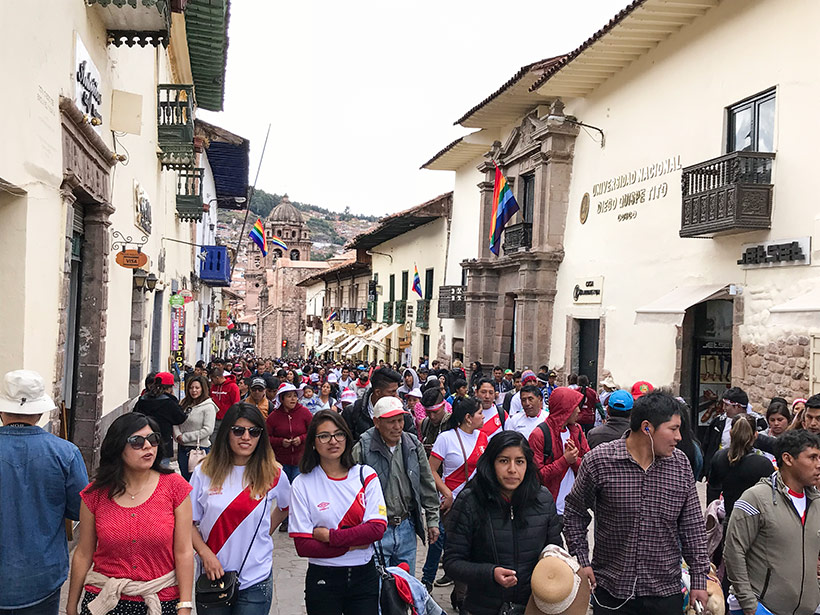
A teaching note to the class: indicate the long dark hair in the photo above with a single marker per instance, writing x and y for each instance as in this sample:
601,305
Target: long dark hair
485,482
462,407
310,457
110,474
189,401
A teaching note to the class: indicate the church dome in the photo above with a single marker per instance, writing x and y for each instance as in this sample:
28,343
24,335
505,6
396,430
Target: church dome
286,213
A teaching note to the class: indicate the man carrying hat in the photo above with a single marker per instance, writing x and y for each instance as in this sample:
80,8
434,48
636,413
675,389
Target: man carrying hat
41,478
406,479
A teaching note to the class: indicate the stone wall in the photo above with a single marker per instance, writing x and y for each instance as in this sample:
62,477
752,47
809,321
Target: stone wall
777,369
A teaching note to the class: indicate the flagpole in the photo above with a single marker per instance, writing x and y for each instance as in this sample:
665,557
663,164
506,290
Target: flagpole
250,197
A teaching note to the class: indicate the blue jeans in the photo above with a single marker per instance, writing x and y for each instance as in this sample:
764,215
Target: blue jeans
399,545
49,606
434,551
182,458
291,472
255,600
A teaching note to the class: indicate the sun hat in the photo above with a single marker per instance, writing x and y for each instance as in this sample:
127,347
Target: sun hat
165,378
620,400
258,382
414,393
24,392
557,588
284,389
332,378
387,407
641,388
314,377
348,396
609,382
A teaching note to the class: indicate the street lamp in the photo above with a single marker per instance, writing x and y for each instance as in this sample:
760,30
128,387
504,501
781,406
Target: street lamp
235,200
143,281
557,115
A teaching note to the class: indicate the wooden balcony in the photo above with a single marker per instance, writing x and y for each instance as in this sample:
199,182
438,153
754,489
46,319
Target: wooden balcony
423,313
175,125
189,194
725,195
387,313
451,302
517,237
401,311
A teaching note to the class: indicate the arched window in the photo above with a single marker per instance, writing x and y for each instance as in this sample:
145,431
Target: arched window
277,253
294,255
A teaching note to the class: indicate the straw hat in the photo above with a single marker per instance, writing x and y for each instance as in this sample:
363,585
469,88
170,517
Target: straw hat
557,588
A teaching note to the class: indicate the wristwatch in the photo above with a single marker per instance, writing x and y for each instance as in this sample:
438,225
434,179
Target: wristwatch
185,605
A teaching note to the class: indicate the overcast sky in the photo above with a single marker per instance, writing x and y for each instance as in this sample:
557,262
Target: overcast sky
360,94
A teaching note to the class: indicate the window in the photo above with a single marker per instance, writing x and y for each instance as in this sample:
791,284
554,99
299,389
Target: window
751,124
405,281
392,287
464,277
277,253
527,196
294,255
428,284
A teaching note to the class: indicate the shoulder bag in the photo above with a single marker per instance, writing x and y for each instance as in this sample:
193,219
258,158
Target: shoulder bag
223,592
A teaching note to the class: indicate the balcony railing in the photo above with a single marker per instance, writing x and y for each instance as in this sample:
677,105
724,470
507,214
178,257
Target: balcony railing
729,194
215,270
517,237
175,125
371,310
451,302
189,194
137,22
401,311
423,313
387,312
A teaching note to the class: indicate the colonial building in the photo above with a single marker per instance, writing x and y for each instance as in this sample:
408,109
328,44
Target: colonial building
272,289
102,197
664,179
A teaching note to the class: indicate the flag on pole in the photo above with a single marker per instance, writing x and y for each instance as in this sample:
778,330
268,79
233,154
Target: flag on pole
332,315
504,208
417,282
279,243
258,235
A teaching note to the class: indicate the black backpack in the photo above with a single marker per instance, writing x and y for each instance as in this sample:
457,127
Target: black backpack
545,429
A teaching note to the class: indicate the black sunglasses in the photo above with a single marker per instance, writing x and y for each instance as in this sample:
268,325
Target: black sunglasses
239,431
138,442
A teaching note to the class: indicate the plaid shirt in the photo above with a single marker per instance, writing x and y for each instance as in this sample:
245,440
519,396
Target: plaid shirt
643,521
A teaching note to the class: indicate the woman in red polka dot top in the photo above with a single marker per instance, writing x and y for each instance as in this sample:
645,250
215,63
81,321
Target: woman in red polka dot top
135,524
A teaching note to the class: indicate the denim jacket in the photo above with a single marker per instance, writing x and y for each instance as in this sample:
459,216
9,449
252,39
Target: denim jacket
40,478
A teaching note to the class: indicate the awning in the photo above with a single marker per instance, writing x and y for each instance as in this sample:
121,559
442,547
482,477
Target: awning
341,341
324,347
351,342
358,347
671,307
333,336
385,332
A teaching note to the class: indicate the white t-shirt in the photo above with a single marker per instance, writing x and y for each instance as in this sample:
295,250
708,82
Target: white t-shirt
320,501
447,449
228,517
492,422
516,407
567,481
725,436
799,501
524,424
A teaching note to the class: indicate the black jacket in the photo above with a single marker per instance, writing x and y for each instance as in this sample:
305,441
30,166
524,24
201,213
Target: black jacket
711,442
358,418
614,428
733,480
166,412
469,554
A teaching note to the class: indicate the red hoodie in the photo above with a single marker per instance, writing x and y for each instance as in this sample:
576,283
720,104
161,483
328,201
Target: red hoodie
563,401
282,424
225,395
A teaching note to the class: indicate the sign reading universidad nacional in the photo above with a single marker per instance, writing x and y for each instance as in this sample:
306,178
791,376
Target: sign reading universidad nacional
625,203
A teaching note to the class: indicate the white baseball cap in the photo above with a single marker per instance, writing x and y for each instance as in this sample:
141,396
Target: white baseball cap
24,392
387,407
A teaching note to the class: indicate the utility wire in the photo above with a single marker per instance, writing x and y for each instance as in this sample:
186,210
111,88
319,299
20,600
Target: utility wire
250,198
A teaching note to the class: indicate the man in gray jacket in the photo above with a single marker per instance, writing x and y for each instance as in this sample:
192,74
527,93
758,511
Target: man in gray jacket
773,536
406,479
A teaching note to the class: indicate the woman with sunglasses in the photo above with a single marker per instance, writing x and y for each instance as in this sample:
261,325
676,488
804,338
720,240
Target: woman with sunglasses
239,494
337,513
136,529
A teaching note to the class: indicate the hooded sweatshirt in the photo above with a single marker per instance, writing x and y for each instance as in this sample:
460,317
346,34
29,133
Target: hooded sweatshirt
404,389
283,424
225,395
551,471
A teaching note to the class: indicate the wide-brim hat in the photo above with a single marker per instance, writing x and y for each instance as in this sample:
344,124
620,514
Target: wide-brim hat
285,388
609,382
24,392
557,588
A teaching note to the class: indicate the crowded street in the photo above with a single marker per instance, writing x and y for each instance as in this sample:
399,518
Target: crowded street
427,308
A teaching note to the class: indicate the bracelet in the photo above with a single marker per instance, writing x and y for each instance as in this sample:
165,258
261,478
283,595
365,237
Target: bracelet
185,605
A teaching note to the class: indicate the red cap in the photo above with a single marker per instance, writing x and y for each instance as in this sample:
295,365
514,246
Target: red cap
641,388
165,378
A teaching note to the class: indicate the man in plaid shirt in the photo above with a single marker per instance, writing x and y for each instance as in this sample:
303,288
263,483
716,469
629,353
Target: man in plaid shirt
647,514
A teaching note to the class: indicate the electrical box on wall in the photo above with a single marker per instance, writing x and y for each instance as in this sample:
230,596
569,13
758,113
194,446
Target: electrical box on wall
126,112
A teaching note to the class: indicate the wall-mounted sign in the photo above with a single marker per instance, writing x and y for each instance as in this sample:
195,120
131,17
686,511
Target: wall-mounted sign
177,301
585,208
778,253
131,259
178,338
87,83
588,290
142,209
187,295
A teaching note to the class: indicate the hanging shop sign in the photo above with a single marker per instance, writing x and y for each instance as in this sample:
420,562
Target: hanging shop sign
778,253
87,84
177,301
588,290
187,295
223,318
178,338
131,259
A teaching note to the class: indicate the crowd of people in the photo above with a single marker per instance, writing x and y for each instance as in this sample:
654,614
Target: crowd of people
500,474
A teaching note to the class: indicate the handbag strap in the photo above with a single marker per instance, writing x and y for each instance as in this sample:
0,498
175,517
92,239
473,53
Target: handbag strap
494,548
463,454
255,532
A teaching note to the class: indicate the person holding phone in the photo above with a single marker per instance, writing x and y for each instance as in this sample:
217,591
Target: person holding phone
498,526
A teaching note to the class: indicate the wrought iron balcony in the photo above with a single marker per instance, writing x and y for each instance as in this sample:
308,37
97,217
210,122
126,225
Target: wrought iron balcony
371,310
387,312
137,22
189,194
451,302
423,313
729,194
517,237
401,311
175,125
215,270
